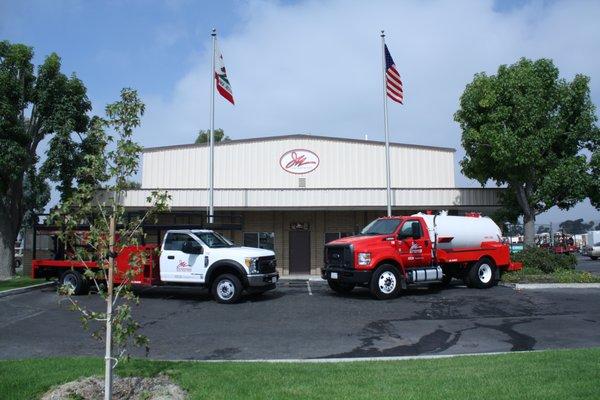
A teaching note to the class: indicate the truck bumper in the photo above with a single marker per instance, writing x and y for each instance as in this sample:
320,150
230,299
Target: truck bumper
261,280
346,275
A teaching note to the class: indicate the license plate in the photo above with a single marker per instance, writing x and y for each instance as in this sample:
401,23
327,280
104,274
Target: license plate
274,279
334,275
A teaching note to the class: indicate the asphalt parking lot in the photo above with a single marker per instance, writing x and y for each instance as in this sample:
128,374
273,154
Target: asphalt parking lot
306,320
587,264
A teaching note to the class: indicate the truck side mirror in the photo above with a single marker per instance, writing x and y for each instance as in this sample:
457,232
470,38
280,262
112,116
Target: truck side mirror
192,248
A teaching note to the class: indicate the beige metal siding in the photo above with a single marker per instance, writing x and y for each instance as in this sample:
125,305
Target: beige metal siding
256,165
322,198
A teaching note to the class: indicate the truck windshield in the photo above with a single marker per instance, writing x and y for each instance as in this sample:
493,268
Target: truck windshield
213,239
381,227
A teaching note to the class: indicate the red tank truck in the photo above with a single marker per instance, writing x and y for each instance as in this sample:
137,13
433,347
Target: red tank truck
393,252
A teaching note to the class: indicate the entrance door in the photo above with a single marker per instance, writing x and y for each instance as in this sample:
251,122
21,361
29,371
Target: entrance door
299,252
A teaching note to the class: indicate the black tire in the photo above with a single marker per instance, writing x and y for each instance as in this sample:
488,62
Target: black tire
341,287
446,279
594,257
227,289
76,280
466,280
385,282
482,274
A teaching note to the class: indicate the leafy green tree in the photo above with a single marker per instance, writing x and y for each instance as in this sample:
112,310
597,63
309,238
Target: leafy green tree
543,229
575,227
525,128
110,229
203,136
131,184
32,106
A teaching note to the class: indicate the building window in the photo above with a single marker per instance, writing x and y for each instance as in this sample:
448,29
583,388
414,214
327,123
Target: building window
331,236
263,240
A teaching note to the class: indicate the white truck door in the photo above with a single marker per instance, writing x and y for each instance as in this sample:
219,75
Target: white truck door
180,257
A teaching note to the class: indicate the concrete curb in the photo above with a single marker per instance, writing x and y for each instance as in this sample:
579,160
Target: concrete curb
361,359
536,286
25,289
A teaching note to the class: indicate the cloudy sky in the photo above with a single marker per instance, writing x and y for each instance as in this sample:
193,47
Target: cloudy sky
305,66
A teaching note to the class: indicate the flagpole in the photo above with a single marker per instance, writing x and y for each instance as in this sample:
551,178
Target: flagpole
211,168
387,136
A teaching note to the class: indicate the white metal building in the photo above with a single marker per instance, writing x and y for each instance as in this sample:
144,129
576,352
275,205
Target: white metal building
296,192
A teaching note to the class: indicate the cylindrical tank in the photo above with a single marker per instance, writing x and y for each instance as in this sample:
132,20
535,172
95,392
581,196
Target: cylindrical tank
454,232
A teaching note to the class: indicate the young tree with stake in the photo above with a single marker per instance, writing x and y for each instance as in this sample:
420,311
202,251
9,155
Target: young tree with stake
109,228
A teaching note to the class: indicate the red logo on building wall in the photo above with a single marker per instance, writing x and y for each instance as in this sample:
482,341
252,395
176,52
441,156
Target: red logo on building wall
299,161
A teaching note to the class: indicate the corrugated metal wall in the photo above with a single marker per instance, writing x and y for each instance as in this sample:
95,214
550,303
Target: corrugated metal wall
322,198
255,164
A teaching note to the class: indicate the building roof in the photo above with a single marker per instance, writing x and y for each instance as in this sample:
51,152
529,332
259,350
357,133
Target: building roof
297,136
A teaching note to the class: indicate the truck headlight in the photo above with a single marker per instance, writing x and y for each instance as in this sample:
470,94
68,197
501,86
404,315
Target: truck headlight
252,264
364,258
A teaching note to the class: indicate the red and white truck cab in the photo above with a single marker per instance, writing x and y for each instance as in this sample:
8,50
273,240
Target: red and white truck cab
393,252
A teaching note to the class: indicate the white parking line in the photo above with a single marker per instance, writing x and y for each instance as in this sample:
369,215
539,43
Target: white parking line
308,286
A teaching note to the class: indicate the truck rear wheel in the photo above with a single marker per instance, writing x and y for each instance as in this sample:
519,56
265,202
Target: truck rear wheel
227,289
594,257
482,274
385,282
341,287
76,281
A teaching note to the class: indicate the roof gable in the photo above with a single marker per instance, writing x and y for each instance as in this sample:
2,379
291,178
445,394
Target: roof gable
297,136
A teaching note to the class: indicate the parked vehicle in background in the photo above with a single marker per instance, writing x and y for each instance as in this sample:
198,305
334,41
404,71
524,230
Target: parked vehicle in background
563,244
196,257
592,252
393,252
19,257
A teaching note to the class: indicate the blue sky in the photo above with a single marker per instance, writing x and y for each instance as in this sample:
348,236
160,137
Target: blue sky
304,66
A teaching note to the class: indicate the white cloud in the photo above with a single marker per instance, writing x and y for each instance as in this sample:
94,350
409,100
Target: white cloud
316,67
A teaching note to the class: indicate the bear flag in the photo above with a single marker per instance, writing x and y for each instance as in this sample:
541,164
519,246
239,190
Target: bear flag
223,85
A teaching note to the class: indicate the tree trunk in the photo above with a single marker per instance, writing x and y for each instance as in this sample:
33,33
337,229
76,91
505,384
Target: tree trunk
7,247
11,215
523,194
529,228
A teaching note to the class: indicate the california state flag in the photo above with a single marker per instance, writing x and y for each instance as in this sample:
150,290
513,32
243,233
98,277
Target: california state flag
222,81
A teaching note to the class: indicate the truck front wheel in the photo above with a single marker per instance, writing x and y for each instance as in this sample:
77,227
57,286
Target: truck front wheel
227,289
385,282
482,274
341,287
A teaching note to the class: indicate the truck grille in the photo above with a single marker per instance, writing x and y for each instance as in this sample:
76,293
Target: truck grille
339,256
267,265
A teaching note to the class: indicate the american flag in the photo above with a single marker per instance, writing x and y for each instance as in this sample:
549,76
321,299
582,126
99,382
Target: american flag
393,83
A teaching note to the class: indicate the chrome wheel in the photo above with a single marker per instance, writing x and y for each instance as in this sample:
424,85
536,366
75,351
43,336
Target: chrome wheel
387,282
485,273
225,289
70,281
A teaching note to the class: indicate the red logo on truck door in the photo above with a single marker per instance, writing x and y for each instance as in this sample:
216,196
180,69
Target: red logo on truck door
183,266
299,161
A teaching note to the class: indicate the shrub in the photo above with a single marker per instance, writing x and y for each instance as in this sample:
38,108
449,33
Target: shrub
542,259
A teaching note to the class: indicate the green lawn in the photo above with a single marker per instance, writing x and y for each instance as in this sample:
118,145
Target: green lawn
18,282
557,374
534,275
